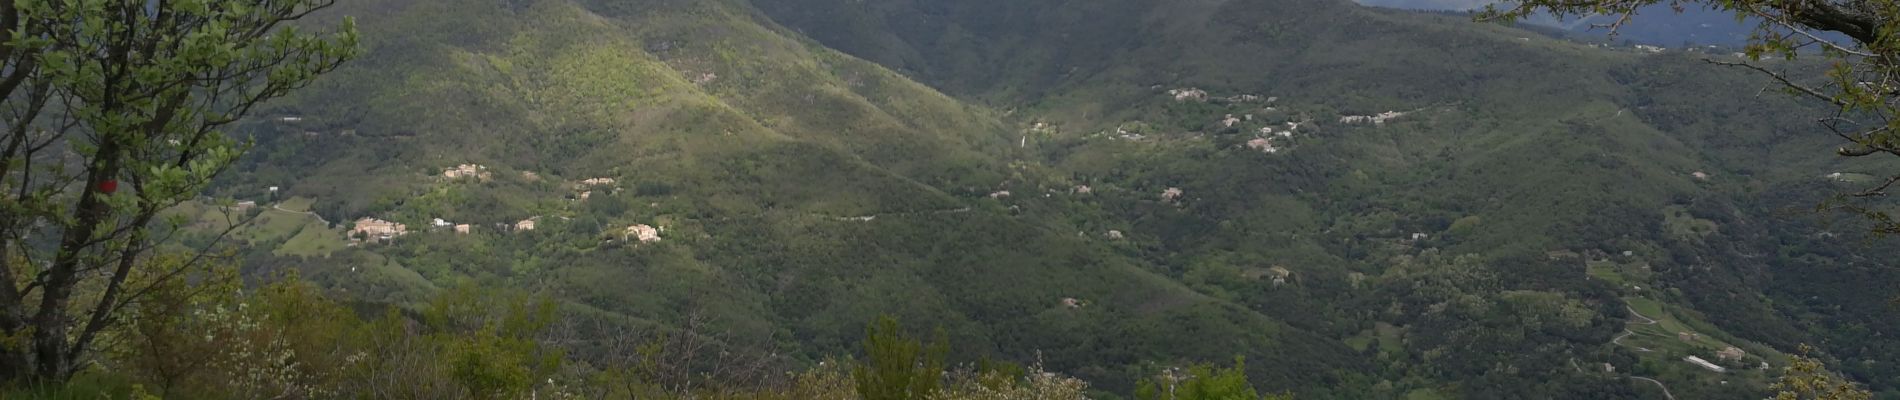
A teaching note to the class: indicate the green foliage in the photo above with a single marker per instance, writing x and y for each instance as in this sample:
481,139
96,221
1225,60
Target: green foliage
207,340
492,348
136,93
1202,382
804,191
897,367
1851,38
1806,378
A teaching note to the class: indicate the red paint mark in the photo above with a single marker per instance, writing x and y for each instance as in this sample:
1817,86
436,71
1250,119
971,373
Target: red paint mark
108,186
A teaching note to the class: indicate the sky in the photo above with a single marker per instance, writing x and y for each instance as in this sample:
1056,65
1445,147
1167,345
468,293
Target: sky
1656,24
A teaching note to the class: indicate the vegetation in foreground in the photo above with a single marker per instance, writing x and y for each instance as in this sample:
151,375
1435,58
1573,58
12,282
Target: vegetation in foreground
212,339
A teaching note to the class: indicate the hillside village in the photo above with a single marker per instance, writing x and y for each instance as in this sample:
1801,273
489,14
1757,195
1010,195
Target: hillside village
609,212
1273,125
279,218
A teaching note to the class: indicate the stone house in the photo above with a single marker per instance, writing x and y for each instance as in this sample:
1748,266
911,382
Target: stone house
1189,94
644,233
466,171
378,229
1264,145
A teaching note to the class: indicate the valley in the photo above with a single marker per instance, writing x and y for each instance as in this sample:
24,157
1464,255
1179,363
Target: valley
1362,203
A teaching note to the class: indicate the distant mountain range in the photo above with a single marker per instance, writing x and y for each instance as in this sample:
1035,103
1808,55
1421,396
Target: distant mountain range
1656,24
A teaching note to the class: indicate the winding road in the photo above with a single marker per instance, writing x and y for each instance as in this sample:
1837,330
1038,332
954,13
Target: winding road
1659,385
1626,333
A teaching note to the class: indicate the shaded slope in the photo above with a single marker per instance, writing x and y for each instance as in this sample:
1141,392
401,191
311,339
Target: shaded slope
1521,151
752,148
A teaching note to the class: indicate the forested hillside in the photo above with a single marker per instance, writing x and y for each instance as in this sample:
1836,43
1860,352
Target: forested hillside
1362,203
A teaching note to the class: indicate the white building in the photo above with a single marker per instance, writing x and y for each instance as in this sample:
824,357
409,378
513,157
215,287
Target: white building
1698,361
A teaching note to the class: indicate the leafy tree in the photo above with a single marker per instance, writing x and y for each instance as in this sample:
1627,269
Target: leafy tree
1862,84
491,339
1806,379
100,92
896,367
1202,382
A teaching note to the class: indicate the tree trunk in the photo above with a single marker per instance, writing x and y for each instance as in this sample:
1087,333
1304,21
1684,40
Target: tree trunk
51,324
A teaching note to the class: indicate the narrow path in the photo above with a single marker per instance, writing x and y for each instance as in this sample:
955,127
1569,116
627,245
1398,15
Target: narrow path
1626,333
1646,320
869,217
310,213
1659,385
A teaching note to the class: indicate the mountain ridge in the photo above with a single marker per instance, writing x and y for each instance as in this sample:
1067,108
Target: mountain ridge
757,150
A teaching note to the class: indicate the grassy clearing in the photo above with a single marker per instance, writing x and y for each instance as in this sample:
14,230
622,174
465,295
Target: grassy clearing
296,204
1424,394
272,225
1678,223
314,239
1388,337
1664,336
1626,275
1606,271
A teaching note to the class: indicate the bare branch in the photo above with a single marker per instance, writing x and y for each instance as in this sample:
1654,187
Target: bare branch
1811,92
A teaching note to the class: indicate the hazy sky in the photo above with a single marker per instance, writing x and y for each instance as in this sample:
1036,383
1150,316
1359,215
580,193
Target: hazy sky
1428,4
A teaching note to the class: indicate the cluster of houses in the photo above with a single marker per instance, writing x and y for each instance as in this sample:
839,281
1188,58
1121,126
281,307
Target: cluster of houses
585,187
1200,96
476,171
1377,119
368,228
1264,145
462,229
372,228
1188,94
1123,133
